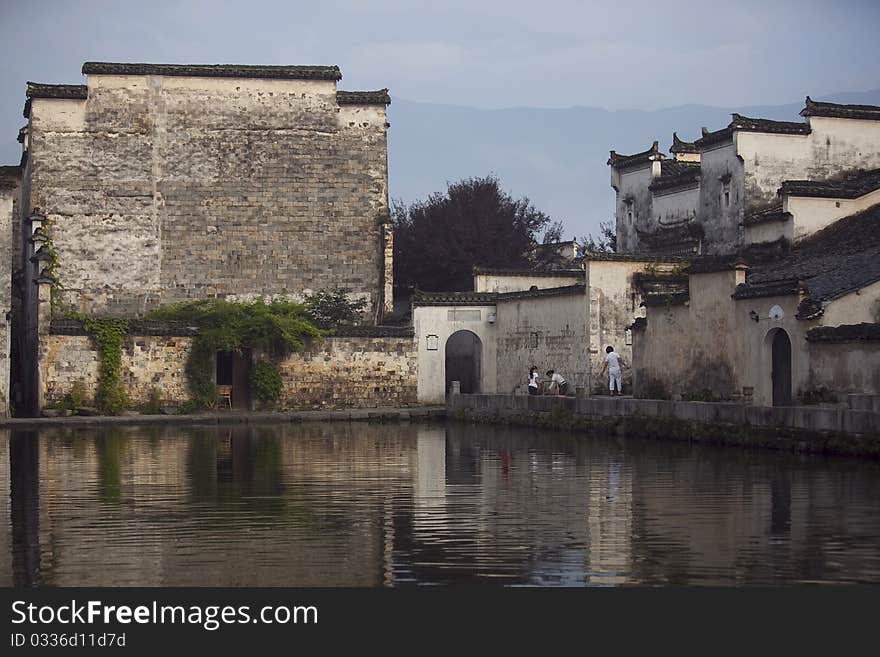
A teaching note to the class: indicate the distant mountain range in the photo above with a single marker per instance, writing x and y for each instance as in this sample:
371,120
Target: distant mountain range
556,157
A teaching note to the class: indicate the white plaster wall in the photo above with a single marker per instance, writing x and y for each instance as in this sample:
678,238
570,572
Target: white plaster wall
507,283
833,145
810,215
768,232
613,304
675,206
722,223
6,204
362,116
223,86
560,323
854,308
632,183
432,320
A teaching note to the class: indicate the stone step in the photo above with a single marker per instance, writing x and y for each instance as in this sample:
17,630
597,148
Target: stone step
864,402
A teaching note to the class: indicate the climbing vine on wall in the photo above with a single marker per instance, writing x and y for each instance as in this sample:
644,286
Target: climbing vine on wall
276,329
108,334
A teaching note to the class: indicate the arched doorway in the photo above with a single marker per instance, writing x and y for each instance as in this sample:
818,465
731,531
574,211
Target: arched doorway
464,352
780,367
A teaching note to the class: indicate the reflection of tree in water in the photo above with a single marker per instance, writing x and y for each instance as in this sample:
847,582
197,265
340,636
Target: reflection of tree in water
237,467
110,447
24,462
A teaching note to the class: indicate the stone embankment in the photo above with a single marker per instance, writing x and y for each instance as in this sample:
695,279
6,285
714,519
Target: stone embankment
415,413
816,429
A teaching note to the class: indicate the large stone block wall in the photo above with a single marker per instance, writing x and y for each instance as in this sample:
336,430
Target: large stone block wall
8,189
161,189
148,362
355,372
359,372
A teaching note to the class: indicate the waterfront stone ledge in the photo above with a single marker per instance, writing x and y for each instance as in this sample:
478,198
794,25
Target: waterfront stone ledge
405,414
818,429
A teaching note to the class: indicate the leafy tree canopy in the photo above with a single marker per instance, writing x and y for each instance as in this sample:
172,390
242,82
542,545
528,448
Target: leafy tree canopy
329,308
438,242
605,243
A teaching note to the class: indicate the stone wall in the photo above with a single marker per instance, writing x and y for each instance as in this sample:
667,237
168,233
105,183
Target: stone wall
148,362
8,192
844,368
547,332
357,371
160,189
797,428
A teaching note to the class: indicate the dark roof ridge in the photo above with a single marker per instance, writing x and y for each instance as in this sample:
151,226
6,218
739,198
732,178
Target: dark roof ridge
42,90
577,288
679,146
772,212
840,110
529,272
624,161
377,97
215,70
739,122
849,185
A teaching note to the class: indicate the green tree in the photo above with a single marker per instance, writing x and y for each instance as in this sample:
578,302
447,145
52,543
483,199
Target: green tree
329,308
438,242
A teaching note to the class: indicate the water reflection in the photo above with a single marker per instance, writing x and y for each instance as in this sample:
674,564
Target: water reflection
371,505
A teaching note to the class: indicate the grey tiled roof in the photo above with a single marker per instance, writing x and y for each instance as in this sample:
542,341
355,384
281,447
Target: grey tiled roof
836,110
630,257
765,215
850,185
489,298
625,161
379,97
60,326
840,259
679,146
780,288
565,290
453,298
40,90
215,70
747,124
675,174
536,273
865,332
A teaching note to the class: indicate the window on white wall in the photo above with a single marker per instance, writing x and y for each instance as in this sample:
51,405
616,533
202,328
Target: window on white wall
628,337
533,341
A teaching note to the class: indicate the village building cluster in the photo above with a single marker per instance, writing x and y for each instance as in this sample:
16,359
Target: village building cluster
747,263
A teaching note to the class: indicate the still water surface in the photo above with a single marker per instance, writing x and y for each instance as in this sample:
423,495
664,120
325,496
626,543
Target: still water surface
392,505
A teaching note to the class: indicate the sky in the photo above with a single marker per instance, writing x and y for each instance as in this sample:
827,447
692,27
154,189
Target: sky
488,54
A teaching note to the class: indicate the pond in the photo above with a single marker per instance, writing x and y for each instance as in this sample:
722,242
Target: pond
360,504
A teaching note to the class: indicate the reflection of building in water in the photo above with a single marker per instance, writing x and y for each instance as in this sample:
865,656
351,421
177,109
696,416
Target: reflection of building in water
5,512
429,496
609,522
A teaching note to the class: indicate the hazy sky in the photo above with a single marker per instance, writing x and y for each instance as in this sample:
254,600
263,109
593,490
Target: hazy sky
489,54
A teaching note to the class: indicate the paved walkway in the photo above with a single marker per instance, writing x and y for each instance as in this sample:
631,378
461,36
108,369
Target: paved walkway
234,417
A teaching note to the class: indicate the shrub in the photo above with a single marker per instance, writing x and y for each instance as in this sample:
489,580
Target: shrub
266,381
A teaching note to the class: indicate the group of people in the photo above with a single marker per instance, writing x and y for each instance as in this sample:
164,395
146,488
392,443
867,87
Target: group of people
557,384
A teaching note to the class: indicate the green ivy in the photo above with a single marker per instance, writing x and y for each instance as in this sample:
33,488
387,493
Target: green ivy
108,334
277,329
266,381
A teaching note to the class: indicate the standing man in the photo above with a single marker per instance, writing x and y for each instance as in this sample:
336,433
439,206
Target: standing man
559,382
614,364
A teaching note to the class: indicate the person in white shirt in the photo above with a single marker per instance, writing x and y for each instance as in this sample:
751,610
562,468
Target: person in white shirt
557,381
534,381
614,364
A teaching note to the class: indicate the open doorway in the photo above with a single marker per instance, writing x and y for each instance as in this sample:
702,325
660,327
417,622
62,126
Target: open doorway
234,369
464,352
780,367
